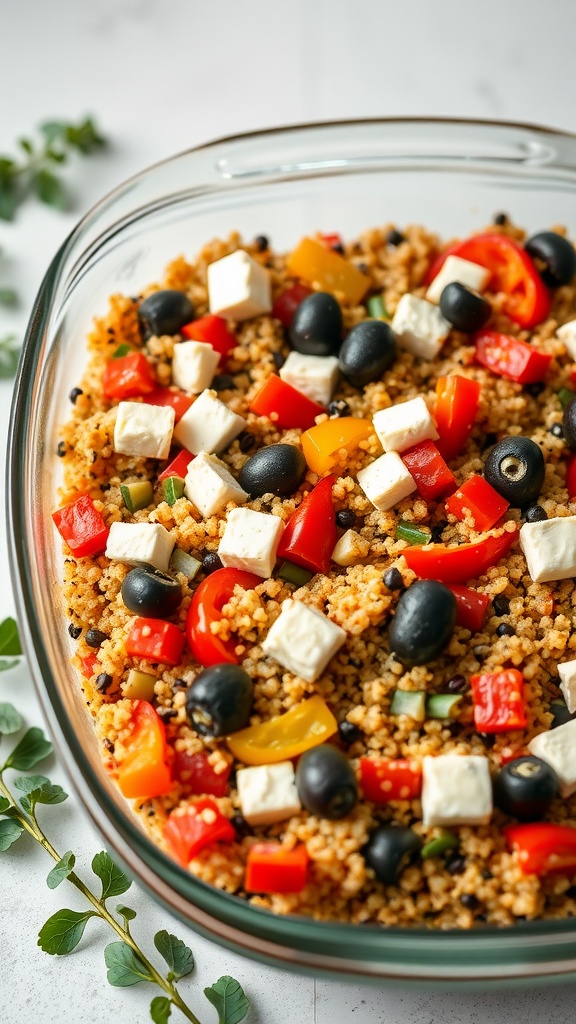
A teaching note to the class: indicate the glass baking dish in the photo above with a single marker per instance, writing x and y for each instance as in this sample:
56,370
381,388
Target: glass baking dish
452,177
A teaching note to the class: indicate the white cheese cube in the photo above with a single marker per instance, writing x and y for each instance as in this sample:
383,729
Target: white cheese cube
208,425
419,327
404,425
567,334
210,485
140,544
455,268
456,790
567,673
143,430
250,541
350,549
193,365
386,481
550,548
268,793
238,287
315,376
558,748
303,640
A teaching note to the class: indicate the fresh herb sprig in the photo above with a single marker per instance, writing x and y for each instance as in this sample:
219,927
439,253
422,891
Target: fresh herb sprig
33,173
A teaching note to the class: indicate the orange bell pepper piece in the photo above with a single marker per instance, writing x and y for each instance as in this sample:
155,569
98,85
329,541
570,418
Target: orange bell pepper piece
315,263
322,443
144,773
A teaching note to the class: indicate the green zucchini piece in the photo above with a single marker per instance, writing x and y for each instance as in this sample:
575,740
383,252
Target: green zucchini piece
447,841
138,685
376,307
409,702
173,489
122,350
295,574
412,534
182,562
443,705
137,495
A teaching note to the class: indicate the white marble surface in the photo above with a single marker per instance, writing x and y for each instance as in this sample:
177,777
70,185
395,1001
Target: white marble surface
161,75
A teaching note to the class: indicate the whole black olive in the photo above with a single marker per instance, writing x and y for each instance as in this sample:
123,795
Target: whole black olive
569,424
368,350
463,307
525,788
424,622
326,782
165,312
316,328
278,469
219,700
149,592
389,850
556,253
515,468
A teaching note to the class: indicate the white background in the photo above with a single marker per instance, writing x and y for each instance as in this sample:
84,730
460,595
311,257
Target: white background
159,76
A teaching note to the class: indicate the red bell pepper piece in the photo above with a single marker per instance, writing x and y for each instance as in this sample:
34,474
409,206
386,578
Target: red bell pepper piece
284,405
271,868
155,640
173,397
89,664
571,476
543,848
178,466
498,701
512,271
331,240
479,499
144,772
384,779
461,563
471,607
311,535
456,407
214,331
196,773
286,304
432,476
82,527
128,377
205,608
510,357
201,825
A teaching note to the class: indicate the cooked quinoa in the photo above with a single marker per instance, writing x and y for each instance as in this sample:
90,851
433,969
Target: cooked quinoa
481,880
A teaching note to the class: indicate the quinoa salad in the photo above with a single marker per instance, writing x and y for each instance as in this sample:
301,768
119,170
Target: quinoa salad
318,522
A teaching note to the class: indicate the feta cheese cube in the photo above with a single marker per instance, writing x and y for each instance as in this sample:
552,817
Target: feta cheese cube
386,481
140,544
404,425
456,790
193,365
350,549
268,793
315,376
303,640
567,673
250,541
456,269
567,334
208,425
558,748
143,430
238,287
419,327
550,548
210,485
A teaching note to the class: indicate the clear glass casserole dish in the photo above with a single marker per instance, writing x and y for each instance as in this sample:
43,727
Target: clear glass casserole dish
451,176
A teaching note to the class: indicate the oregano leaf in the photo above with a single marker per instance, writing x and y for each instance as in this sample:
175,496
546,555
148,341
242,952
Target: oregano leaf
61,870
124,967
114,881
126,912
176,953
8,200
160,1009
9,637
62,932
33,748
227,995
38,790
50,189
4,804
10,830
10,720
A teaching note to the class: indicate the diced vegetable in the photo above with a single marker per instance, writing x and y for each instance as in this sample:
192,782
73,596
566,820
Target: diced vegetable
155,640
81,525
181,561
177,467
571,476
139,685
310,535
128,377
565,395
510,357
295,574
173,398
122,350
272,868
455,411
543,848
326,268
384,779
196,773
436,847
173,489
443,705
477,498
201,825
305,725
432,476
409,702
471,607
205,608
499,701
214,331
144,773
287,303
460,563
137,495
376,308
284,405
322,443
411,533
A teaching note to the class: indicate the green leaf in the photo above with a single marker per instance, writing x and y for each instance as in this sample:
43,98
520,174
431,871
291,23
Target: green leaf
62,869
4,804
227,995
63,931
114,881
10,831
124,967
33,748
127,913
176,953
160,1009
50,189
39,790
5,665
27,146
53,131
8,297
10,720
9,638
8,199
84,136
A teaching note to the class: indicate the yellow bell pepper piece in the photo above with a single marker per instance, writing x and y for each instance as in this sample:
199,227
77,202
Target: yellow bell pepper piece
305,725
322,443
315,263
